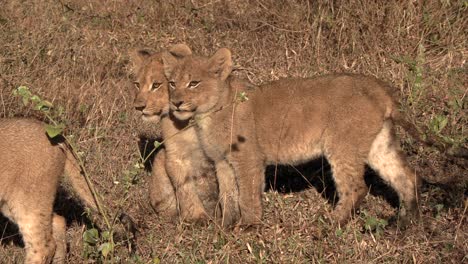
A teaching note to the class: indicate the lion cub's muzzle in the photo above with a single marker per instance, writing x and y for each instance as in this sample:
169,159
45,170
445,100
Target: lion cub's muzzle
182,110
148,114
181,106
139,105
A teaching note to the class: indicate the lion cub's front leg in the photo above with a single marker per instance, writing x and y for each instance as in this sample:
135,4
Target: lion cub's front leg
180,172
251,181
228,193
162,194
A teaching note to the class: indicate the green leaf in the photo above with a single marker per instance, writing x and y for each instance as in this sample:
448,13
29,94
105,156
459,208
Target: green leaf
105,248
47,104
91,236
438,123
442,122
157,144
24,91
371,223
35,99
339,232
156,260
41,107
105,235
242,97
53,131
383,222
25,101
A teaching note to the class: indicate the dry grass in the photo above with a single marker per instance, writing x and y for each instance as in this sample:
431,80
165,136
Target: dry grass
74,53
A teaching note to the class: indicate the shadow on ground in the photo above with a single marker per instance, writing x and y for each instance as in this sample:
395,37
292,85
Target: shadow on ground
317,174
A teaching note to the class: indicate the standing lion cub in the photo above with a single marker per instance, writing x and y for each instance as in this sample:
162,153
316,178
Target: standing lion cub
349,119
31,167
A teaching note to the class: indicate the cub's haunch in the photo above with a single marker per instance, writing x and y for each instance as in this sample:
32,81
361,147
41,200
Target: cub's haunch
31,168
349,119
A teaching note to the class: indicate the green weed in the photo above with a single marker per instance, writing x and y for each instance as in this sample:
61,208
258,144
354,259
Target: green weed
438,210
415,77
373,225
97,246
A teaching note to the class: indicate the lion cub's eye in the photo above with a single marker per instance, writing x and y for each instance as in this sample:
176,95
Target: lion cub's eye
137,85
172,85
155,86
193,84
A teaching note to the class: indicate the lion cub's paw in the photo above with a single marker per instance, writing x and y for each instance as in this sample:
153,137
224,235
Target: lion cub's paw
407,217
197,217
246,228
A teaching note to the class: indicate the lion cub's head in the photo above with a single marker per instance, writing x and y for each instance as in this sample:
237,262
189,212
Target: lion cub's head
152,98
195,83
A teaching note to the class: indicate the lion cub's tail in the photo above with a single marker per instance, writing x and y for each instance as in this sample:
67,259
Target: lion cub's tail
74,175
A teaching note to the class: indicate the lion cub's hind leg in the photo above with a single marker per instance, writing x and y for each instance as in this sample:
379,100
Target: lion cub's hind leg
59,226
386,159
348,174
36,229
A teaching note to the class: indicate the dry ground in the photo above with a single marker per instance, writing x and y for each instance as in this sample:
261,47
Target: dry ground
74,53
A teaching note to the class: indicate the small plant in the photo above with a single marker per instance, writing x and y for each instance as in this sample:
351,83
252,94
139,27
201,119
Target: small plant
242,97
415,76
45,107
339,232
373,225
97,246
438,123
438,209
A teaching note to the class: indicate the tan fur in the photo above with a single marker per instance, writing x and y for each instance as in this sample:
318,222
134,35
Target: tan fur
346,118
32,166
183,180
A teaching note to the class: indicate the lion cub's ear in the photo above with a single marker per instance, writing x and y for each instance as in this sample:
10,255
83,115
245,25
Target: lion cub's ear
169,63
138,57
170,58
180,50
221,63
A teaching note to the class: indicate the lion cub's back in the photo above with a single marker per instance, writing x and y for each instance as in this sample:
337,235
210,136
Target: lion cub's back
333,89
324,97
30,162
295,111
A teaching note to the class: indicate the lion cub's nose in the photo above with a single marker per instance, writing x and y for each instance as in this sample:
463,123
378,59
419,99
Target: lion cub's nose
177,104
139,106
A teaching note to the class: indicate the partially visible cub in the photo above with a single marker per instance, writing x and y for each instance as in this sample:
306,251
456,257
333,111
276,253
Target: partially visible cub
183,180
347,118
31,168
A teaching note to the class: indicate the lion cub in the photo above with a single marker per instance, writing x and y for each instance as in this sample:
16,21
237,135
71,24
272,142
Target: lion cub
183,180
31,169
347,118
